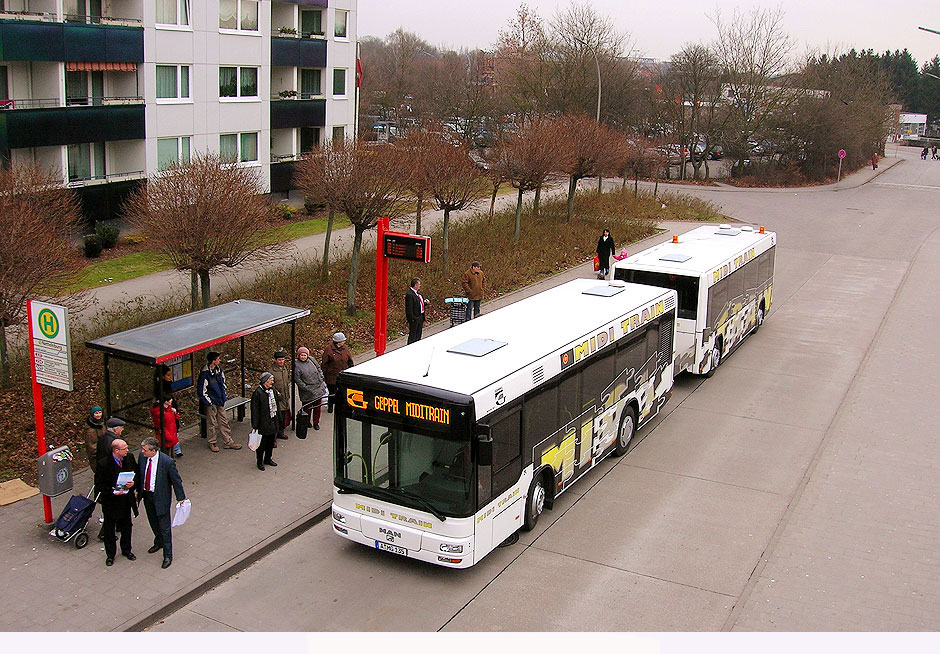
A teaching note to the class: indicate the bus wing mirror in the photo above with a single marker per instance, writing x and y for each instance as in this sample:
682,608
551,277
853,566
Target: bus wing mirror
484,446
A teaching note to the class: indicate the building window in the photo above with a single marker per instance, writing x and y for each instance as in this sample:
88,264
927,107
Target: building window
339,82
238,15
310,82
339,133
4,89
238,82
82,11
84,87
173,12
239,147
86,161
172,82
172,152
311,22
340,28
309,138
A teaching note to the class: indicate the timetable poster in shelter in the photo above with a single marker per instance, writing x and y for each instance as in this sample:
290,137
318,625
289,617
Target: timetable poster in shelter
182,368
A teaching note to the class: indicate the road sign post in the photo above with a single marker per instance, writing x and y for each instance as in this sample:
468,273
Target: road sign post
393,245
50,351
841,157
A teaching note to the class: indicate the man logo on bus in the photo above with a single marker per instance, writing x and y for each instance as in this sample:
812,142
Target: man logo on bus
356,399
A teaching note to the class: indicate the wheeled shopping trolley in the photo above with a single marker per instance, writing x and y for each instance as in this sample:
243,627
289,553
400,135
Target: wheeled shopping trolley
458,309
74,519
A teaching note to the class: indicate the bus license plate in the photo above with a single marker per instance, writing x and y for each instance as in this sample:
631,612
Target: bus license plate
395,549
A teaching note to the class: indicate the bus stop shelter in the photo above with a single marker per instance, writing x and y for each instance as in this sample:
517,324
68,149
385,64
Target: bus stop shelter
174,340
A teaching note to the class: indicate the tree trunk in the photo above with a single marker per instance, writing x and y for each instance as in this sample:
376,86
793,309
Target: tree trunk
353,274
4,362
518,233
535,202
493,199
446,231
636,186
324,266
206,295
194,289
655,188
600,184
418,215
572,187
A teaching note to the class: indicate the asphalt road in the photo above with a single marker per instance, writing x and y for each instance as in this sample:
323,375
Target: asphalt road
796,490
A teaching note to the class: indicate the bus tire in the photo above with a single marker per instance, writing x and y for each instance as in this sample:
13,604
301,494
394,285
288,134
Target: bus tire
716,358
760,317
626,431
535,502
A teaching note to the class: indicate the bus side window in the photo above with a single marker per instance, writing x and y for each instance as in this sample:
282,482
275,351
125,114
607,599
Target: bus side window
735,283
766,266
717,297
569,399
507,463
539,419
751,276
596,377
630,357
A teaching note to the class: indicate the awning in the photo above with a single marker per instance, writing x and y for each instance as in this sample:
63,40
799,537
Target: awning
101,65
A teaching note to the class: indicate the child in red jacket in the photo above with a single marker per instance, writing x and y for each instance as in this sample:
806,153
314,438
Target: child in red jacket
170,425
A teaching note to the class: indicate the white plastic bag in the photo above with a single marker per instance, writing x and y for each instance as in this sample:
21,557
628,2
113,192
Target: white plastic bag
254,440
182,513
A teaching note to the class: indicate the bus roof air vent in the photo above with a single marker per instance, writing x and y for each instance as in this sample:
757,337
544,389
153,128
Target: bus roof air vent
477,347
676,257
604,291
727,230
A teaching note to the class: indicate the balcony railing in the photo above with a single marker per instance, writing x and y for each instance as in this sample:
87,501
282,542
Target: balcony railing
299,35
105,179
29,15
48,103
51,17
297,96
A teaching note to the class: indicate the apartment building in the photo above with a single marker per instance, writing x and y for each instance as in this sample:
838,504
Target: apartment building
111,91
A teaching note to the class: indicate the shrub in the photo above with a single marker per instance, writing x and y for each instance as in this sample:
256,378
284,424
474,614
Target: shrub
312,207
107,234
135,239
92,246
285,211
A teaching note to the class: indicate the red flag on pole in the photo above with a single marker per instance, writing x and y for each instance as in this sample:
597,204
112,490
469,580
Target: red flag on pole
358,72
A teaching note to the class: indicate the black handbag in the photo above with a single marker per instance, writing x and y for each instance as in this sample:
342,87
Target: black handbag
302,424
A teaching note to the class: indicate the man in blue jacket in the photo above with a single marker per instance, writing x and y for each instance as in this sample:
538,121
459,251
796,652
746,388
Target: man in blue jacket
212,396
158,475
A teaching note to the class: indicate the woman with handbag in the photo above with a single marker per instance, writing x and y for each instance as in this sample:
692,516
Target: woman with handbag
310,385
605,249
265,418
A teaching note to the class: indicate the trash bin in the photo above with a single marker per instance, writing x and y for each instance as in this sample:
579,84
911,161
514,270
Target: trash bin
55,472
458,309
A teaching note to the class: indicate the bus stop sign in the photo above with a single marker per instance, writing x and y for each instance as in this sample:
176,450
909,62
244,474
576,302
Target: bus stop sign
410,247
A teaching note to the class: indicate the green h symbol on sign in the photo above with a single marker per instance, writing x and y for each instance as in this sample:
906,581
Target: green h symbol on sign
48,323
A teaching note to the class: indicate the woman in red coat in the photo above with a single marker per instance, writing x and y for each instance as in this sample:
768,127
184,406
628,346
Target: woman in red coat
170,431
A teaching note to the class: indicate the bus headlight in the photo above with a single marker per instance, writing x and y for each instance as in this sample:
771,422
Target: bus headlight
452,549
339,517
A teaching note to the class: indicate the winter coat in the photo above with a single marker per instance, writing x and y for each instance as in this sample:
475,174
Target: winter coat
212,386
334,361
261,413
309,380
605,249
473,284
94,431
170,430
281,384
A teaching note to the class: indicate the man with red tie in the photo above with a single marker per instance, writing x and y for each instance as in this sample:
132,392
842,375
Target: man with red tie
158,473
414,310
116,495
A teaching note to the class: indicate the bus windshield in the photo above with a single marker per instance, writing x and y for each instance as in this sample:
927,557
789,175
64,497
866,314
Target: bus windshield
685,286
426,471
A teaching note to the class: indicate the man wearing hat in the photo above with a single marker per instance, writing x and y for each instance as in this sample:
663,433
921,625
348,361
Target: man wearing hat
265,418
282,387
336,358
115,430
212,396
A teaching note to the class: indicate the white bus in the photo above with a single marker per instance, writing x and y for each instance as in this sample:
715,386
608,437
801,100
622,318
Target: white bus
446,447
724,276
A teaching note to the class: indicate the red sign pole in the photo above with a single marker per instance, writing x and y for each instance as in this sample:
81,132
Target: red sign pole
381,289
37,411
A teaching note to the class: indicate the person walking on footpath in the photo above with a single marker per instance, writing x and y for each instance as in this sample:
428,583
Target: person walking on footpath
474,286
605,250
158,475
265,418
336,358
94,430
116,501
310,385
212,396
415,305
281,372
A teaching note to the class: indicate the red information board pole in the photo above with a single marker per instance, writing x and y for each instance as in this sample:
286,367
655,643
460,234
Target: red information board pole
37,414
381,289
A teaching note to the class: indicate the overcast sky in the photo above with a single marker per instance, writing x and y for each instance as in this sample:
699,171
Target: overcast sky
659,28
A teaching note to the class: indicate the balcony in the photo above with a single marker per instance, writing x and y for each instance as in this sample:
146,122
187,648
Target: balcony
306,3
298,113
34,123
291,50
39,39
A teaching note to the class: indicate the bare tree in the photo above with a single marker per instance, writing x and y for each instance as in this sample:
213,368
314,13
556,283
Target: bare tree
522,63
588,149
36,258
204,215
415,147
455,180
316,176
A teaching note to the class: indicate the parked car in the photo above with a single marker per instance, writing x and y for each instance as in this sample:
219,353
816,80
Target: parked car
715,152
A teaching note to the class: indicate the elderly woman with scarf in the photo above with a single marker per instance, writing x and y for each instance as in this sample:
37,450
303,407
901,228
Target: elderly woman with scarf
94,429
265,418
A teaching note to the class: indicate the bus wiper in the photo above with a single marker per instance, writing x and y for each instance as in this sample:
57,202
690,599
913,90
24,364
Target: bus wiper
420,500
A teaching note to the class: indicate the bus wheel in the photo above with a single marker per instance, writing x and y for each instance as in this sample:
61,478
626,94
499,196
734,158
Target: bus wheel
716,358
535,503
760,318
626,431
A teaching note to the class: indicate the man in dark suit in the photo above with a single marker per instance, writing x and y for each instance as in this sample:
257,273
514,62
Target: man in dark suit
117,502
158,474
414,311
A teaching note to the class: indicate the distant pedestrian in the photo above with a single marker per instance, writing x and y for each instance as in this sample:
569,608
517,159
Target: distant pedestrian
212,396
933,152
310,385
336,358
281,372
94,430
158,475
923,153
415,305
265,418
474,287
116,501
605,250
